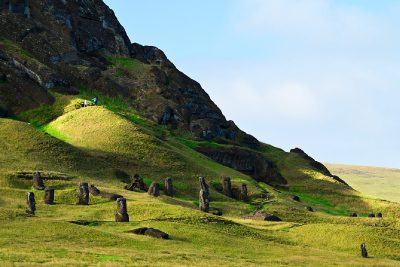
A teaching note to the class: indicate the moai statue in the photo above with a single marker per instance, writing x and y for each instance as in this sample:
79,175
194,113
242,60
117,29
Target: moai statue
10,6
83,194
31,203
203,184
136,183
37,181
204,201
168,187
243,193
49,196
227,187
364,252
27,10
122,212
94,190
154,190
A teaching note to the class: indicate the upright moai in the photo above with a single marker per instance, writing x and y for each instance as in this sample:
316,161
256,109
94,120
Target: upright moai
203,184
243,193
83,194
49,196
38,181
227,186
364,252
204,195
154,189
204,201
31,203
168,187
122,211
10,6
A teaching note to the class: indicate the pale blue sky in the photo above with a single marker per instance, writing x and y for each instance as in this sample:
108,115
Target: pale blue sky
322,75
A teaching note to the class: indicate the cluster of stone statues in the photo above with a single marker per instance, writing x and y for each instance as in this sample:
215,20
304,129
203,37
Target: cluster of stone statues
137,183
16,6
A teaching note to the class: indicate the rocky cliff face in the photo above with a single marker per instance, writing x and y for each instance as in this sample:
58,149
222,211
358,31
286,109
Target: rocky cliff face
63,45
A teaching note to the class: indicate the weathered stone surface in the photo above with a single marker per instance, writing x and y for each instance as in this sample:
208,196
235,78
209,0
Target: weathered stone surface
227,186
216,212
150,232
31,203
296,198
38,181
364,252
204,201
168,187
154,189
310,209
96,192
243,193
49,196
203,184
83,194
246,161
353,214
136,183
262,216
122,211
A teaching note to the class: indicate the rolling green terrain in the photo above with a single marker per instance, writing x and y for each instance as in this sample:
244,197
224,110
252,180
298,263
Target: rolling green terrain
377,182
106,144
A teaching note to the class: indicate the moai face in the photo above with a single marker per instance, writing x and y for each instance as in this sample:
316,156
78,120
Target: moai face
121,206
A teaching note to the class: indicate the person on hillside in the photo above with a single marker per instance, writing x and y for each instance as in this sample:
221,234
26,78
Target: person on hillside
95,100
85,103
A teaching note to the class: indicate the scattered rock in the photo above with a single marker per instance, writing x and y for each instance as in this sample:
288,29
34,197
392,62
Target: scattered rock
136,183
227,186
83,194
38,183
296,198
379,215
371,215
31,203
150,232
216,212
243,193
353,214
154,189
122,212
310,209
364,252
49,196
168,187
262,216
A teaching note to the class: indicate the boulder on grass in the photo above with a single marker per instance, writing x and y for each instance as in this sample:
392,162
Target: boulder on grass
262,216
150,232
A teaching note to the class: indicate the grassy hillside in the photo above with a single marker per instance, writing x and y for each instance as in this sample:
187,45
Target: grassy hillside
102,145
377,182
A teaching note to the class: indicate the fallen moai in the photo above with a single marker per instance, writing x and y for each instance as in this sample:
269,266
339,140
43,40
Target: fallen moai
150,232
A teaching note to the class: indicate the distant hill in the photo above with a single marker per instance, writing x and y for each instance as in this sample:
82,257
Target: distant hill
383,183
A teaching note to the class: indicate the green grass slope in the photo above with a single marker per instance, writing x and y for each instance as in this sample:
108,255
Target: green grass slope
382,183
97,144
